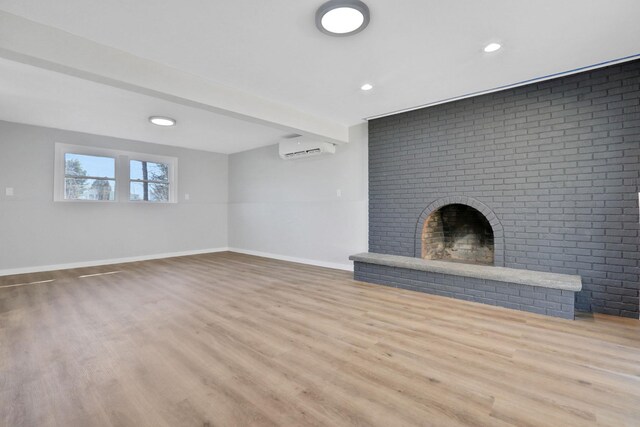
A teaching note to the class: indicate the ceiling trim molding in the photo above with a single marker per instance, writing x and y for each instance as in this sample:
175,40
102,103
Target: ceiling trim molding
31,43
509,86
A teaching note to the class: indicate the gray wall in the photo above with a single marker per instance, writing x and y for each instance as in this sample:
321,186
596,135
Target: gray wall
35,231
557,162
290,208
535,299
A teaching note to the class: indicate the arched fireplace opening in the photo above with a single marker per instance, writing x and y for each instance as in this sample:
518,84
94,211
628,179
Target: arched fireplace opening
460,233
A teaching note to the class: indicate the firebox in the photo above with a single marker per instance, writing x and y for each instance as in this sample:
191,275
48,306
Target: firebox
459,233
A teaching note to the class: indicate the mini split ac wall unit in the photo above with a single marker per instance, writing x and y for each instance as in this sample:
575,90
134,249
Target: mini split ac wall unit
302,146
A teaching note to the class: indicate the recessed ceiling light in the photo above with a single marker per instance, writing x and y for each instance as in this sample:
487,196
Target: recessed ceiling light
342,17
162,121
366,86
492,47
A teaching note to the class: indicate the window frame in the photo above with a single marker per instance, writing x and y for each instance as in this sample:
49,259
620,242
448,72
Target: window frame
122,172
172,162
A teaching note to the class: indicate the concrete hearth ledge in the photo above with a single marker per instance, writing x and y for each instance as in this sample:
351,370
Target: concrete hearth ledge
501,274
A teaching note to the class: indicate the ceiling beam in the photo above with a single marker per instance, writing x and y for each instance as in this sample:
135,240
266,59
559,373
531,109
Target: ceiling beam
46,47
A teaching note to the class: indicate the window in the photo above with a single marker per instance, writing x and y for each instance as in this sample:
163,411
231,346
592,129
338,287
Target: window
89,177
96,174
149,181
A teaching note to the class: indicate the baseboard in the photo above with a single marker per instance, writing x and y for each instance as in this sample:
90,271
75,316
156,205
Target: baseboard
96,263
334,265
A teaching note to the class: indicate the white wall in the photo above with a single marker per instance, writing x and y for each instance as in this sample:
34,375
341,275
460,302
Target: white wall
290,209
251,201
35,231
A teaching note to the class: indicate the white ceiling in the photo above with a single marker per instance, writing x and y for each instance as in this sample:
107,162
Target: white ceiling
415,52
35,96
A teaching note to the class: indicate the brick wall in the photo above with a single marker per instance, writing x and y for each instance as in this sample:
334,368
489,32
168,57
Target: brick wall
535,299
557,162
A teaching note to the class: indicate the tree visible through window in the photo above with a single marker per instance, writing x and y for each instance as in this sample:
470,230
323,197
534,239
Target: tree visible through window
149,181
86,173
89,177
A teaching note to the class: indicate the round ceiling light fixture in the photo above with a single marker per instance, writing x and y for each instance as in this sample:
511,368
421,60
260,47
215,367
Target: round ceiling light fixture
366,87
492,47
162,121
342,17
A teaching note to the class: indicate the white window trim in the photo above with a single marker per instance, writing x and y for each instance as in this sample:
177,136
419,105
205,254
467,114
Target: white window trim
122,176
173,175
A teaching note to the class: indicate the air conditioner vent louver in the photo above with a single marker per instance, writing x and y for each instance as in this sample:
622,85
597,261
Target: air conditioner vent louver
299,147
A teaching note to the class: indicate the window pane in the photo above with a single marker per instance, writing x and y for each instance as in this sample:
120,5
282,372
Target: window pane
149,191
89,189
84,165
149,171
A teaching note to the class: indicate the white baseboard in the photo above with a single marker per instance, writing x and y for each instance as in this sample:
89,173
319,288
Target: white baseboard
95,263
334,265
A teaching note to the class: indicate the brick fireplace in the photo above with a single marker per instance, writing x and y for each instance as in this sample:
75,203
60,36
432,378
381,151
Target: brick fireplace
458,233
552,167
459,229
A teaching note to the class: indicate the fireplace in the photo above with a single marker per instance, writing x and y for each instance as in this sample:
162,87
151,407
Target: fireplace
459,233
468,236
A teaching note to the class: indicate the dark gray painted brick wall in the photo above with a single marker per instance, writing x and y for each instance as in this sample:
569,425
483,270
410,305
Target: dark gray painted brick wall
535,299
557,162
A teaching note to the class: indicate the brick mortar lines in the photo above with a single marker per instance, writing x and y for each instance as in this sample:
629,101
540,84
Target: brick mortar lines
558,162
551,302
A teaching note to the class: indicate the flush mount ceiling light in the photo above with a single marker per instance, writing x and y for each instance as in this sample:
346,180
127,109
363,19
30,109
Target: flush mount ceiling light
162,121
366,86
492,47
342,17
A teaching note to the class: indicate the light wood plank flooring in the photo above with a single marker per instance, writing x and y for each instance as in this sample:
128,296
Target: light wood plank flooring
234,340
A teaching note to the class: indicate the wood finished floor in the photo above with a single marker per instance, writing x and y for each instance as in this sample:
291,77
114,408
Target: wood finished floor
234,340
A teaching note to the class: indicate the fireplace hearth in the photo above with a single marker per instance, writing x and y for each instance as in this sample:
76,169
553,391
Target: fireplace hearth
459,252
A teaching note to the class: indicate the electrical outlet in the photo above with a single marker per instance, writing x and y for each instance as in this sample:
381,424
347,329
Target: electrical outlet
8,191
186,196
338,193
